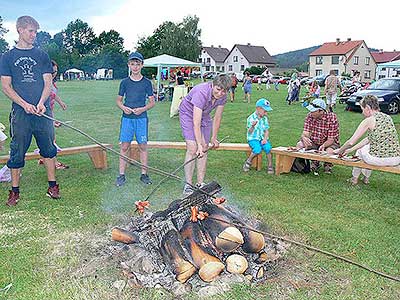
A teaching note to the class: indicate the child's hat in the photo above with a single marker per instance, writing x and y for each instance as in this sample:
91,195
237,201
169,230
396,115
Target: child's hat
264,104
136,55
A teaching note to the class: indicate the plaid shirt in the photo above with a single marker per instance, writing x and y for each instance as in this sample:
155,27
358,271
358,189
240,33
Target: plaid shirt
259,129
322,129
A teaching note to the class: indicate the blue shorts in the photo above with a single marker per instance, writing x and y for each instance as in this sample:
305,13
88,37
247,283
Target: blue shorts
133,128
256,146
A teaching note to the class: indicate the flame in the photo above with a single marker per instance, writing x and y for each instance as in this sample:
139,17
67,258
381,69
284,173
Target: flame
141,205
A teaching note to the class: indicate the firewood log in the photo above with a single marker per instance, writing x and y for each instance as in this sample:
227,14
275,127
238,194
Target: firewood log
172,251
226,237
123,236
236,264
211,270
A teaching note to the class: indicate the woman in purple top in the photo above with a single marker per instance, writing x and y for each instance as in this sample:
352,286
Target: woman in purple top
197,124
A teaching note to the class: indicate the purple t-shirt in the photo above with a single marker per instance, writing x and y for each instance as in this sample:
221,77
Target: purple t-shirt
201,97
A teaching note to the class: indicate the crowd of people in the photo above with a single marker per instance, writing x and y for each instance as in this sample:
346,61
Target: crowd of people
27,78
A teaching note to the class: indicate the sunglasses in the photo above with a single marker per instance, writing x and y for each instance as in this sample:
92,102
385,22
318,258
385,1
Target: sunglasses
317,106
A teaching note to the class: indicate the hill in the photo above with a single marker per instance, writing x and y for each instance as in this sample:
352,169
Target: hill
296,58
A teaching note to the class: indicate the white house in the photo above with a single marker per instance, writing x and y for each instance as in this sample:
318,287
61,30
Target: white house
343,57
242,57
383,57
212,58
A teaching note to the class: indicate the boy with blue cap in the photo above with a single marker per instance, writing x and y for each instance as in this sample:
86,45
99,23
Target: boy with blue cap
258,134
131,99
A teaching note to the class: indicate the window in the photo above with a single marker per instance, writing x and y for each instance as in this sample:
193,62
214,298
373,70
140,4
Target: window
336,72
235,58
208,60
335,60
319,60
218,68
367,59
367,74
318,72
212,68
355,60
207,68
223,69
230,68
241,67
383,69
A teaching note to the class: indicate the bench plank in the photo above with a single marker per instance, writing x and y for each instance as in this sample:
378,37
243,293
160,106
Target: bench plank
284,160
97,154
256,163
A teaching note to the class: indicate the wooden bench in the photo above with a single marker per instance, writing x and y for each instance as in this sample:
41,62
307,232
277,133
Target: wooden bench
96,153
284,160
256,163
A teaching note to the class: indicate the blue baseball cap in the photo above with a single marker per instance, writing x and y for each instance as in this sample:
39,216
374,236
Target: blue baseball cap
136,55
264,104
316,105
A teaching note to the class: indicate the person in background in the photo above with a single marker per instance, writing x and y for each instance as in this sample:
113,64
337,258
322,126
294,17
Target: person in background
131,99
381,145
247,87
198,127
179,79
332,85
233,87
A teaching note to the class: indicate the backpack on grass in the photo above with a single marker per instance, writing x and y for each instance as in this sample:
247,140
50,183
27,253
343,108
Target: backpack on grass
301,165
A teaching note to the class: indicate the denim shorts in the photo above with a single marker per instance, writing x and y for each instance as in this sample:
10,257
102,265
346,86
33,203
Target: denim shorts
257,147
131,128
22,127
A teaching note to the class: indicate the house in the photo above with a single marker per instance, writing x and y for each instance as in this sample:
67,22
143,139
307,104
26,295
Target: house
382,57
242,57
212,58
343,57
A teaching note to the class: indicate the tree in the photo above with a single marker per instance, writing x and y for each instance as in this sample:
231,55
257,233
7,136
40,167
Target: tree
111,37
42,39
3,43
182,40
79,36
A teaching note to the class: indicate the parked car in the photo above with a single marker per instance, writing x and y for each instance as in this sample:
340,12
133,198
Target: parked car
284,80
388,92
320,79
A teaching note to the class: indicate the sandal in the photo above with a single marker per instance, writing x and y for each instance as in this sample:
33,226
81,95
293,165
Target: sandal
270,170
365,180
247,165
61,166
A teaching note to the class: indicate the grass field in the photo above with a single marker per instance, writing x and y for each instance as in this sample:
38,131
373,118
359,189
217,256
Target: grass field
58,249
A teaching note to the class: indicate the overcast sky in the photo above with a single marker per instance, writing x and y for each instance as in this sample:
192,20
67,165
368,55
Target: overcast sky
279,26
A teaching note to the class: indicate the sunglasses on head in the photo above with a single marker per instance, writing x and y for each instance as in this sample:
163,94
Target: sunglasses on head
317,106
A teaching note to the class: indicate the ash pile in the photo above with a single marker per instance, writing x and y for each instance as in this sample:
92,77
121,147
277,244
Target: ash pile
198,243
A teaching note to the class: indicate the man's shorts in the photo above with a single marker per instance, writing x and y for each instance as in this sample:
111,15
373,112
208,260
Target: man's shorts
331,99
133,128
22,127
256,146
233,88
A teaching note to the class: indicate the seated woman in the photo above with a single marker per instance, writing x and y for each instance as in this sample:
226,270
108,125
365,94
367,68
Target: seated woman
380,147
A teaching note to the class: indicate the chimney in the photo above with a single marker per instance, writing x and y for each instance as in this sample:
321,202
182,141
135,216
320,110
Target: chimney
212,46
380,50
219,46
337,41
394,50
348,39
248,44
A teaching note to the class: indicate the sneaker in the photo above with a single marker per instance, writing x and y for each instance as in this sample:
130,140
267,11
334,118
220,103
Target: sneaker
314,166
187,190
120,180
13,198
54,192
61,166
40,161
246,166
200,185
327,170
145,179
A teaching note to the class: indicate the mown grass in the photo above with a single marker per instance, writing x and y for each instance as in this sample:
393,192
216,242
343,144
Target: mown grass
59,249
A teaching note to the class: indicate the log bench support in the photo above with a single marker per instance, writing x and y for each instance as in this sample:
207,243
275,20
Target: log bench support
96,153
256,163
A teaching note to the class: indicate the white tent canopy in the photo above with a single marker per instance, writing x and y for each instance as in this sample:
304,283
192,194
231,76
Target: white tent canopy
168,61
391,64
74,73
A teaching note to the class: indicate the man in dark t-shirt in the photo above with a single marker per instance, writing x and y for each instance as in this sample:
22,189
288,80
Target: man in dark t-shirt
26,79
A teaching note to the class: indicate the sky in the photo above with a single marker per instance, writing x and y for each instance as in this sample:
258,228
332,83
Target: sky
279,26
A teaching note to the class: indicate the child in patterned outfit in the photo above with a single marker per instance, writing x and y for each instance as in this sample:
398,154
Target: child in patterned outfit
258,134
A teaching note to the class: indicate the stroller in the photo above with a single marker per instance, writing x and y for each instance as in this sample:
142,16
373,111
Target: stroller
347,91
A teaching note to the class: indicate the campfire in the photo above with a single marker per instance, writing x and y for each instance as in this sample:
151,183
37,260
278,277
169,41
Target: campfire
196,240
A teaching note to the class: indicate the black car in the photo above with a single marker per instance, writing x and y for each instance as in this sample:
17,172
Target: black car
320,79
387,91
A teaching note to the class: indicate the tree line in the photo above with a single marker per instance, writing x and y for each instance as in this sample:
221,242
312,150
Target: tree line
78,46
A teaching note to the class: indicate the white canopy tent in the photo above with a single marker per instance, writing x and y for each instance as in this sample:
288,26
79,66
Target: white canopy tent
388,65
168,61
75,73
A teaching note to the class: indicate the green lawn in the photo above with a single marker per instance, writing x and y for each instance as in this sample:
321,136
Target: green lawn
58,249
